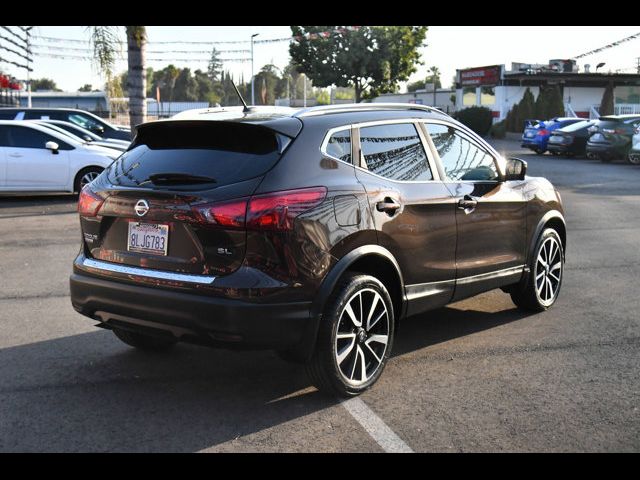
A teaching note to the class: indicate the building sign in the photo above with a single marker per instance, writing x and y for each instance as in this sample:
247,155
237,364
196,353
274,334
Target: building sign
480,76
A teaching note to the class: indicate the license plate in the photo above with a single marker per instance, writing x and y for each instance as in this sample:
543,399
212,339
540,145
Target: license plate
148,238
529,134
556,139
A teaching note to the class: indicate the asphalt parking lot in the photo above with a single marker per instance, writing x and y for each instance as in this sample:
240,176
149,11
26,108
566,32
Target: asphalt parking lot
475,376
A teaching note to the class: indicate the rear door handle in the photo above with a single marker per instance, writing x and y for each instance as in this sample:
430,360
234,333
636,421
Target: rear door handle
389,206
468,204
15,155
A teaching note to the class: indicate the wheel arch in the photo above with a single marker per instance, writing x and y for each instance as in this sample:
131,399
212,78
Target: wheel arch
551,219
367,259
76,177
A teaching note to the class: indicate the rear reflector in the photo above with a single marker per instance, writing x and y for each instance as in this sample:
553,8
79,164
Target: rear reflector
89,202
269,211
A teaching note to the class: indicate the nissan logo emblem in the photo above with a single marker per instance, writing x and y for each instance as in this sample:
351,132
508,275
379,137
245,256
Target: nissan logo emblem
141,208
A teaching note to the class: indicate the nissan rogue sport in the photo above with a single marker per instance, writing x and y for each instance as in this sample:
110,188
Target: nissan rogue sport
313,232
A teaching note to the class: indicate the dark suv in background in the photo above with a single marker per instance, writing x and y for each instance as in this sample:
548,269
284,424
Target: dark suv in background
611,137
312,232
81,118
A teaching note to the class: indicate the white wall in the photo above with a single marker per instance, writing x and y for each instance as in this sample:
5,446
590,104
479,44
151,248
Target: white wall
582,98
443,99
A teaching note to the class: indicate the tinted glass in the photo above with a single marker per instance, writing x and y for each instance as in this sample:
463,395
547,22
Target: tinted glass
24,137
461,158
7,115
226,152
4,136
339,146
84,121
395,151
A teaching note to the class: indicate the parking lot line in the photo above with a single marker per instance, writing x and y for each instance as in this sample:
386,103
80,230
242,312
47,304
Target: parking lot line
379,431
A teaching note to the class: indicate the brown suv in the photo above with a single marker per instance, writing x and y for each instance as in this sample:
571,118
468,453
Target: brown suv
312,232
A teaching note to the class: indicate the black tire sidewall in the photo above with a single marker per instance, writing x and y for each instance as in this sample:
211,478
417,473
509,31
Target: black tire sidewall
546,233
76,183
327,334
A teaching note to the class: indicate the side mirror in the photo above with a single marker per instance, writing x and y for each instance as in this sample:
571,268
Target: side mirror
87,138
53,146
99,129
516,169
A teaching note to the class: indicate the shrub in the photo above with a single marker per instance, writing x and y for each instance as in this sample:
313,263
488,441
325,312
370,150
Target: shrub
498,130
478,119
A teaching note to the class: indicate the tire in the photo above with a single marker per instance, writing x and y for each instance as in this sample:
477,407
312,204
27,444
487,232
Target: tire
144,342
539,151
554,153
535,294
634,158
85,174
336,366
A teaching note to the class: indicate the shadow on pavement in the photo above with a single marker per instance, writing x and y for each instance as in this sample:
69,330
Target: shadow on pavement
89,392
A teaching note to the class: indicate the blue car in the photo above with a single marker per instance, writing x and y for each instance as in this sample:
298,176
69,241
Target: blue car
536,132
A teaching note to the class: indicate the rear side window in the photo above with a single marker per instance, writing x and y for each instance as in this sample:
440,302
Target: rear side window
24,137
224,152
339,145
395,151
574,127
7,115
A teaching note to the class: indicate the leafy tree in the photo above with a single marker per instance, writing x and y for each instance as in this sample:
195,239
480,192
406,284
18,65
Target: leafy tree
606,105
417,85
434,77
478,119
186,87
372,59
44,84
322,97
85,88
269,80
215,66
527,105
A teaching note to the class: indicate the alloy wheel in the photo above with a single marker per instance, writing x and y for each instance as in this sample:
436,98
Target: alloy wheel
88,178
634,158
548,271
362,336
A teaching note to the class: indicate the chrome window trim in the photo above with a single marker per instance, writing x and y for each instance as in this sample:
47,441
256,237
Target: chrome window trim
327,137
147,272
435,173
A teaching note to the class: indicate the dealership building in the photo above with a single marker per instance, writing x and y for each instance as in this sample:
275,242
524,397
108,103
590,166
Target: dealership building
499,89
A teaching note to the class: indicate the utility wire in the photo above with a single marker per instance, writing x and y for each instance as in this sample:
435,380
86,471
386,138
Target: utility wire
27,57
611,45
2,37
90,50
16,64
24,40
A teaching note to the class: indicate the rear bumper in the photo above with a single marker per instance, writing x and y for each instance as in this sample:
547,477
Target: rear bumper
562,147
192,317
611,149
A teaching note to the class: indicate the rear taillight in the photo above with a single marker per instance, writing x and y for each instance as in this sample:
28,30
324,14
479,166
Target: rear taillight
616,131
543,132
277,210
225,214
269,211
89,202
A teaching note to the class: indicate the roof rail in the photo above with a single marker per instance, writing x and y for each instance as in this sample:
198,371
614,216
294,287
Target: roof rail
355,107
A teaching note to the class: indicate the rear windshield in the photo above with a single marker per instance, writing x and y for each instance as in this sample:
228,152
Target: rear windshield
223,152
574,127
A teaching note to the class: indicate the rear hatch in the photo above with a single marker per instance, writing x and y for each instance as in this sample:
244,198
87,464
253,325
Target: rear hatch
176,199
531,129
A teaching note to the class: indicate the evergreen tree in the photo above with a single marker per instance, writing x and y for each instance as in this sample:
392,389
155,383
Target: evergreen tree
215,66
606,105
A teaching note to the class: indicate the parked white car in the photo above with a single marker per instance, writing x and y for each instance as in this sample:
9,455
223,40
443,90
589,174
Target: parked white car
34,158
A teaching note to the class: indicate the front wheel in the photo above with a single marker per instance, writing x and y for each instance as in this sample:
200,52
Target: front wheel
355,337
542,285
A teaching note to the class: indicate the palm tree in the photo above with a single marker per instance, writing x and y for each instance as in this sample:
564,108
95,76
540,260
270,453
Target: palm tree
106,45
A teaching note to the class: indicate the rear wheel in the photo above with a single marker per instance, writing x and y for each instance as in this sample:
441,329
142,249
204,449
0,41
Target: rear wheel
144,342
545,274
85,176
539,151
634,158
355,337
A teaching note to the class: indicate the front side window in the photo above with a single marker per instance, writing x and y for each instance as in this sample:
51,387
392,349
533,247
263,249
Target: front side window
23,137
395,151
462,159
339,146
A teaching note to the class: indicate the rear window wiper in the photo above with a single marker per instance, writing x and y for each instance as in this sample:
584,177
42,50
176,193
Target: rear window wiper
178,179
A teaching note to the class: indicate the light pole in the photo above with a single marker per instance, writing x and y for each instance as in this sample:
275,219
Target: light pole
28,32
253,98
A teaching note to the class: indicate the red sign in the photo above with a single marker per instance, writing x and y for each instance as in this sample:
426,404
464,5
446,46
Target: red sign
480,76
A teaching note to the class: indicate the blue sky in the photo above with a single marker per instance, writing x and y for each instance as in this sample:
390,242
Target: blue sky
448,47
